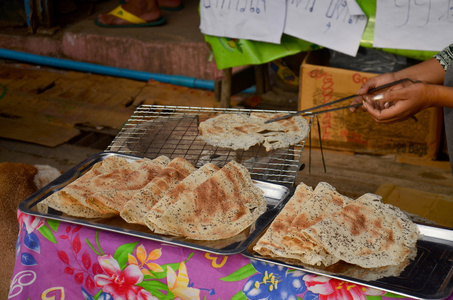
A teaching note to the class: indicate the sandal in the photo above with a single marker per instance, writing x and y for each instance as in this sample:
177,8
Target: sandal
135,21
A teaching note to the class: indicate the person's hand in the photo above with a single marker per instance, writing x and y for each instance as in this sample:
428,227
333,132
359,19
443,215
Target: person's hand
402,102
371,84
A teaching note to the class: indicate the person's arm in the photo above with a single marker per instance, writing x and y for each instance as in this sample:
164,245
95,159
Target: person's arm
429,71
407,101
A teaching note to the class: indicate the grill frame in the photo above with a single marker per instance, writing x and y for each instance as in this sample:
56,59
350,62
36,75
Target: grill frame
155,130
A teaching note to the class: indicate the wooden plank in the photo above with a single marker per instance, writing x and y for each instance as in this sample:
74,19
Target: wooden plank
158,93
41,133
354,175
48,109
432,206
64,111
27,79
91,88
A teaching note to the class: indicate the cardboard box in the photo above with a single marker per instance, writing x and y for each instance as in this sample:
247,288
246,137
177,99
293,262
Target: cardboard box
433,207
358,132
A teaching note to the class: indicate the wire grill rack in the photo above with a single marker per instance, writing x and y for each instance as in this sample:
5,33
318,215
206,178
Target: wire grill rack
172,131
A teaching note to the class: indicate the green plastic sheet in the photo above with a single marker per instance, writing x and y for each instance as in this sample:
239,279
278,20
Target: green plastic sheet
238,52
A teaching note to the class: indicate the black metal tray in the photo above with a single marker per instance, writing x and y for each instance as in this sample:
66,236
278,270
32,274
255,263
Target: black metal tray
428,276
276,196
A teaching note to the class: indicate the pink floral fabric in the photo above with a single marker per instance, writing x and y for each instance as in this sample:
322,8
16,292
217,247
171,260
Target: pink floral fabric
59,260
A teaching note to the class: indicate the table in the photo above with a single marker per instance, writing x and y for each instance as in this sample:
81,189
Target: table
59,260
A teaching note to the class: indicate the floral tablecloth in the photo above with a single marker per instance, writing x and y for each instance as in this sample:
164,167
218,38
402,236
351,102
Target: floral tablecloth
58,260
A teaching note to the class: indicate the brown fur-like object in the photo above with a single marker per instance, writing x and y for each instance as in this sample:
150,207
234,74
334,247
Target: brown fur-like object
17,182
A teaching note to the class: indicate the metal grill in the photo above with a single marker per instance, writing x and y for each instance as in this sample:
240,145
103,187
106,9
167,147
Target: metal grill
172,131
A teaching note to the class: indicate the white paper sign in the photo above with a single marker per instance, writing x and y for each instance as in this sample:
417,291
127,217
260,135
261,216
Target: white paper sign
414,24
354,8
258,20
328,23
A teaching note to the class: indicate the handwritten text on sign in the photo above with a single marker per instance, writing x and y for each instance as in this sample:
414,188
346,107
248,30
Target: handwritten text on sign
259,20
414,24
243,6
327,23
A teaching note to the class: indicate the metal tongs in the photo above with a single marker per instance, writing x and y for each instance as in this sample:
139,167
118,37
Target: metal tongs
309,111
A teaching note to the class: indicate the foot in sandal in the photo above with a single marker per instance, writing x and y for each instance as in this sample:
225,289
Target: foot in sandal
134,13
